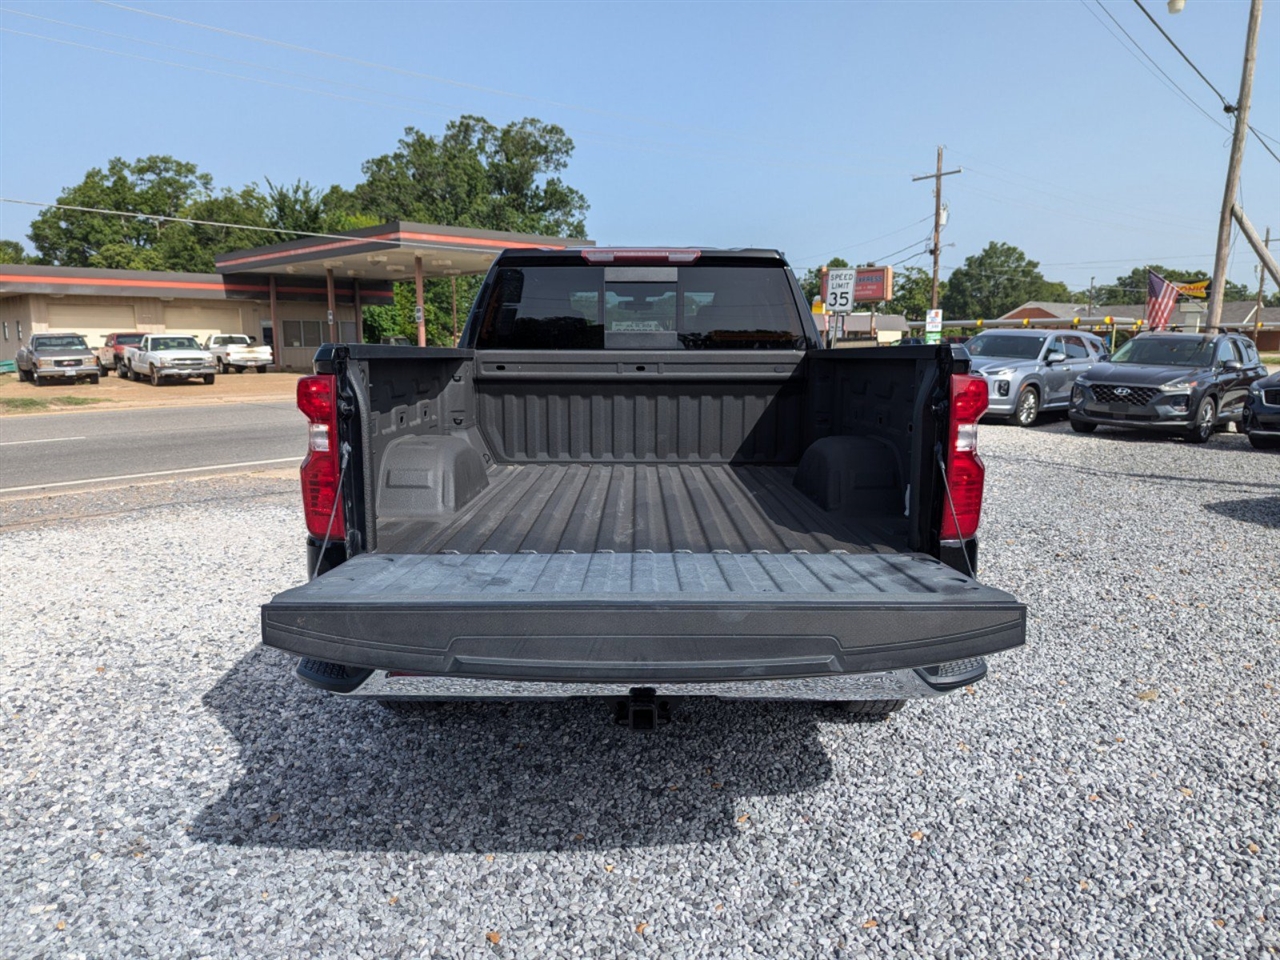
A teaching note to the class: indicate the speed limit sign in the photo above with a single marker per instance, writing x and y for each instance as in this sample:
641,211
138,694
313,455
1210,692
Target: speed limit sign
840,290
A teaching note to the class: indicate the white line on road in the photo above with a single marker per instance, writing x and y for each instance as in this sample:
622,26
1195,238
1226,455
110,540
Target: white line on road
140,476
14,443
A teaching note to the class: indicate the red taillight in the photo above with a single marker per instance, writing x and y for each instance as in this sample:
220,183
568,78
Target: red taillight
318,399
965,470
615,255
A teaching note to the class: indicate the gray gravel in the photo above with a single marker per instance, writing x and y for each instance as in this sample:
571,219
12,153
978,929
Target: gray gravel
1111,790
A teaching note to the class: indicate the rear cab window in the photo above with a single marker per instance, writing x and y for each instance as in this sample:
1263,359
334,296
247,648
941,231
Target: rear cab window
723,304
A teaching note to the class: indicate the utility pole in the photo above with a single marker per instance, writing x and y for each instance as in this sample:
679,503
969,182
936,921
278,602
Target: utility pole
1262,282
1218,288
1091,296
937,218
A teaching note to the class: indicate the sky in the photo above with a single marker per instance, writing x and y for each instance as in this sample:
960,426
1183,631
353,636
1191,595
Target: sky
796,126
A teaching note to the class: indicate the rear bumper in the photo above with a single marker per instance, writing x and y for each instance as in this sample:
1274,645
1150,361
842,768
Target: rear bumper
883,685
486,618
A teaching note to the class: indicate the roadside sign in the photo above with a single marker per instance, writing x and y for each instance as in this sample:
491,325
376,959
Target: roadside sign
933,326
873,284
840,283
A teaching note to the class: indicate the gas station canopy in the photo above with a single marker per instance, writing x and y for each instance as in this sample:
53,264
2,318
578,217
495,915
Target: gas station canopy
390,251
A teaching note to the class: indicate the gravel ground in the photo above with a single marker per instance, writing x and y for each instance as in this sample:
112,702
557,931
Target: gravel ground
1111,790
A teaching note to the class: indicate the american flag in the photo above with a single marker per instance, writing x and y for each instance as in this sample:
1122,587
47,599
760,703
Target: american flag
1161,296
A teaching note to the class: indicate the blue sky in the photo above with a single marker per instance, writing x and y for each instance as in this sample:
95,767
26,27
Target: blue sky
795,125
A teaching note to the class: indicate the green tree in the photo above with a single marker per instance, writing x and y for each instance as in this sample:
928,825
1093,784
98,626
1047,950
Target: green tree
1132,287
11,251
913,292
811,282
155,185
476,175
397,319
993,282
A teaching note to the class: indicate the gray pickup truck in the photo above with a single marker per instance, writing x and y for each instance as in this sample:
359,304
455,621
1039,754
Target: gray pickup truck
47,357
640,477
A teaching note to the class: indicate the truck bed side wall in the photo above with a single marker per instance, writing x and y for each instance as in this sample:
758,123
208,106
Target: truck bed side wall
752,407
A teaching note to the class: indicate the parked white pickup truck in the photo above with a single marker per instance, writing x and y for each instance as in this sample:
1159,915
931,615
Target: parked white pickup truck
163,356
238,352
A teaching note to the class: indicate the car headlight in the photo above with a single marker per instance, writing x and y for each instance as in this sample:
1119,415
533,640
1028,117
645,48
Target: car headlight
1182,383
1077,392
43,362
1002,388
1255,390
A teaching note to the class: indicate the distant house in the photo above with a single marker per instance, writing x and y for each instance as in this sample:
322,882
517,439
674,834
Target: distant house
1239,315
1044,310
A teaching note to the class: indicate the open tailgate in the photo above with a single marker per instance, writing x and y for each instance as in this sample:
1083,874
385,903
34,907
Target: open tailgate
633,617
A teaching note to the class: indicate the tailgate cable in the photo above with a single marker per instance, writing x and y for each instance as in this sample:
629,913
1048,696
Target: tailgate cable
942,466
342,473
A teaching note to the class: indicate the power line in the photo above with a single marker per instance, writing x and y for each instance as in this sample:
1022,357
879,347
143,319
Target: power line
136,215
607,139
862,243
404,72
1227,106
1186,96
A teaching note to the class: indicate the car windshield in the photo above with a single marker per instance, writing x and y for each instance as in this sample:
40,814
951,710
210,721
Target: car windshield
58,343
236,341
129,339
1166,352
1004,345
174,343
690,307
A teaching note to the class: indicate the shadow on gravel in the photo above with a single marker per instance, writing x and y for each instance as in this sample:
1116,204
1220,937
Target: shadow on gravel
1264,511
326,773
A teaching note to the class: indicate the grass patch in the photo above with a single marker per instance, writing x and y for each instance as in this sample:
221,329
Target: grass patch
22,403
28,404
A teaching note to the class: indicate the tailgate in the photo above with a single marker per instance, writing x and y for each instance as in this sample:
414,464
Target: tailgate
630,617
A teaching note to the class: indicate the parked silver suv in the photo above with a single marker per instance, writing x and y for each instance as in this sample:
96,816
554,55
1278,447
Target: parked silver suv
1032,370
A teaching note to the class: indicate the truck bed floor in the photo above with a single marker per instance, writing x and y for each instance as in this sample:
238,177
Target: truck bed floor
630,508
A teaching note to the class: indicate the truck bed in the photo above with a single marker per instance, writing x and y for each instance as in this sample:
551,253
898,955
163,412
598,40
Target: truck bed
612,508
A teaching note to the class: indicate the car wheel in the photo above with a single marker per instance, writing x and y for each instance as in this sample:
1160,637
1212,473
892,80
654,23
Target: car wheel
94,379
869,711
222,367
1080,426
121,371
208,379
1206,417
262,369
155,378
1028,407
35,378
134,375
102,370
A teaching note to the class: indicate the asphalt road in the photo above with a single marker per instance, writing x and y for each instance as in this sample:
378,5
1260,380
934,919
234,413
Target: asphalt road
61,450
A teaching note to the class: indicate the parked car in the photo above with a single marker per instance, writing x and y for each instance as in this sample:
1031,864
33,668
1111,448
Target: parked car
744,524
112,350
162,356
56,356
1030,371
1260,418
237,351
1186,383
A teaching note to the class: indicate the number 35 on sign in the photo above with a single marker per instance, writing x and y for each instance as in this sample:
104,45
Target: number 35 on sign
840,290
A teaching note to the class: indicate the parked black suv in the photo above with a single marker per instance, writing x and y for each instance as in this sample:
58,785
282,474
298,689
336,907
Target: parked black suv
1187,383
1261,418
